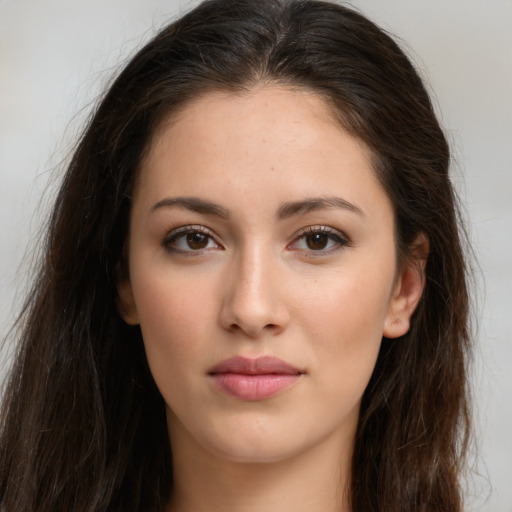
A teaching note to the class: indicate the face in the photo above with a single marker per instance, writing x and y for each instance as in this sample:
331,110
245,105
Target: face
262,272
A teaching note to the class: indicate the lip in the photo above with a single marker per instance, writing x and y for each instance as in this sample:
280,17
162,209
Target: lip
254,379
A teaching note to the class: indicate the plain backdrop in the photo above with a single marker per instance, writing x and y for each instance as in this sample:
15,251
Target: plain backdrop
56,56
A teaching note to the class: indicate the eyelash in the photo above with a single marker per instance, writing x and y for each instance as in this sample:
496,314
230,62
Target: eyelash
175,234
340,240
333,235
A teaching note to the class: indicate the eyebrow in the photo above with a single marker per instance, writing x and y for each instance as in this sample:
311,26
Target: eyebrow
194,204
313,204
286,210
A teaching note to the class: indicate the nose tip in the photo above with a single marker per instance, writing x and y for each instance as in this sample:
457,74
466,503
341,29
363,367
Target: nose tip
253,303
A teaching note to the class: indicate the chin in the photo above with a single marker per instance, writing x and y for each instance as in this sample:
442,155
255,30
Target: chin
249,452
257,442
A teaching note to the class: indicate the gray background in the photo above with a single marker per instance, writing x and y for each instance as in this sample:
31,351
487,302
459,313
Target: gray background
57,55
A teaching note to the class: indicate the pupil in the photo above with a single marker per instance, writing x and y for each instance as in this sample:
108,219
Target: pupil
317,241
197,240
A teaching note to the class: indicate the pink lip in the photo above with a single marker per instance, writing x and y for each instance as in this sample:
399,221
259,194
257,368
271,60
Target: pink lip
254,379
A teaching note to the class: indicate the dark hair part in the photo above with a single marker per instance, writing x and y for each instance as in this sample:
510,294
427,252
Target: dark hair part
83,425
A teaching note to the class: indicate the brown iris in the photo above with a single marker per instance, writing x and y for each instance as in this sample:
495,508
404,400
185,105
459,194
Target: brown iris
317,241
197,241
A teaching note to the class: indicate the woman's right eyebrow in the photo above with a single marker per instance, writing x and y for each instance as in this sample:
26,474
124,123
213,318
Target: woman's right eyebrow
194,204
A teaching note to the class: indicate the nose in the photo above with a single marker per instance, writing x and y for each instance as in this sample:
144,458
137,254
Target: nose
253,303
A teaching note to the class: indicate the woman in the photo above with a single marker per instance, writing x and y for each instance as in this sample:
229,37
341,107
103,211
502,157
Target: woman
253,292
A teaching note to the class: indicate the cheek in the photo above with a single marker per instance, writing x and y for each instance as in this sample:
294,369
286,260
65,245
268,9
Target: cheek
345,321
173,316
351,305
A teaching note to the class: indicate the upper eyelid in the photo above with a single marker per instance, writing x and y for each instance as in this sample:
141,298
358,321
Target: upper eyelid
341,240
192,228
321,229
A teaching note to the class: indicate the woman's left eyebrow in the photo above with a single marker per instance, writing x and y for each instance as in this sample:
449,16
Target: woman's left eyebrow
316,203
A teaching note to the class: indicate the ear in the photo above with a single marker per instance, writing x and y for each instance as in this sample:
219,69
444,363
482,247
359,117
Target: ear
126,301
407,290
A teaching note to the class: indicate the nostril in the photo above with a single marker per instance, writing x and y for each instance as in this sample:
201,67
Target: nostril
254,331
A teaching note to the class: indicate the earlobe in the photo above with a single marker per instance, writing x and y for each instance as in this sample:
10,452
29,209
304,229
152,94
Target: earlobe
126,302
407,290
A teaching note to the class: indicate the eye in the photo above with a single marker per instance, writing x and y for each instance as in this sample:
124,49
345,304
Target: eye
189,239
319,239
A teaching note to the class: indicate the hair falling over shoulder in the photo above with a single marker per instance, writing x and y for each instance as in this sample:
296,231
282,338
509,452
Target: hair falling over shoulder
82,423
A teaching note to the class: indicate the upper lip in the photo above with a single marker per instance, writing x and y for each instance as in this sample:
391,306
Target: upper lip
259,366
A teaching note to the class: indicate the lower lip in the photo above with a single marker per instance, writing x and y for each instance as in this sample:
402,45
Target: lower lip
254,387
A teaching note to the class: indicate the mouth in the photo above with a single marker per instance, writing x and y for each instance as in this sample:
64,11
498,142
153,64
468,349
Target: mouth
254,379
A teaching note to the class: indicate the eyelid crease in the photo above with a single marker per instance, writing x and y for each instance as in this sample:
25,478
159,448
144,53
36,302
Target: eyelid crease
326,230
190,228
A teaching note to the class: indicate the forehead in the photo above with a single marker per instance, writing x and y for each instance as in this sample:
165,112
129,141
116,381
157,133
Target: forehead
271,138
283,107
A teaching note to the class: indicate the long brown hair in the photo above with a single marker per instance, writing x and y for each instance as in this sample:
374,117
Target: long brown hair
82,424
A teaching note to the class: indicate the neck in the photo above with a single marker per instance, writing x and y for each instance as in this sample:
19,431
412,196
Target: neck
311,481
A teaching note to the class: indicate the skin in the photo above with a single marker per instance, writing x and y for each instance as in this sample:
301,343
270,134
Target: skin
260,286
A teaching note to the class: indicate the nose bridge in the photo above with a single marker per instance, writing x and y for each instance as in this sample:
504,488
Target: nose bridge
253,302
